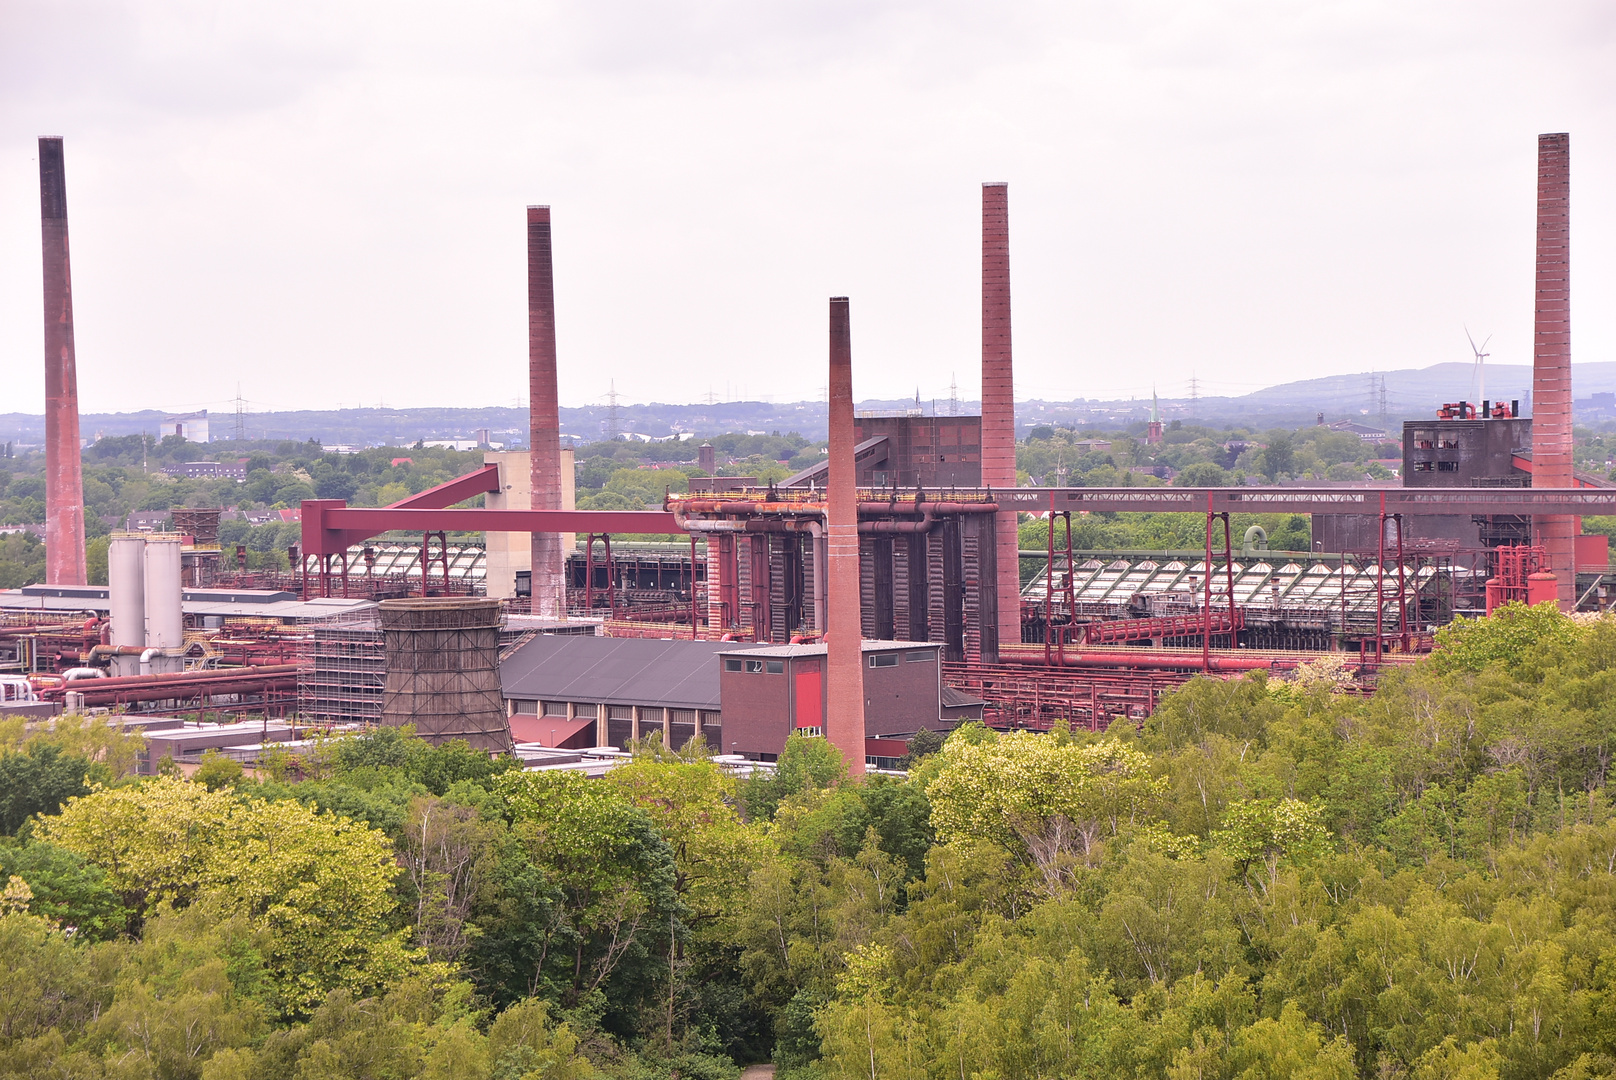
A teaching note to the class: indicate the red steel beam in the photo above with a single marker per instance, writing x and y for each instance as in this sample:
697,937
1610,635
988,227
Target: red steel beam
330,525
481,482
1299,500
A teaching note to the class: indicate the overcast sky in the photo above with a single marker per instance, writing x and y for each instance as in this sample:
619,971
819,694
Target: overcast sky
323,202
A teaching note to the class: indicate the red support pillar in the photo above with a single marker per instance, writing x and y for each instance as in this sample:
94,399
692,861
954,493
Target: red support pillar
1380,585
694,621
1206,600
844,643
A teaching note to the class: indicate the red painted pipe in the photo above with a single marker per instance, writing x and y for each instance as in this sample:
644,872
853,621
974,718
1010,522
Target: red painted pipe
1139,660
209,688
181,678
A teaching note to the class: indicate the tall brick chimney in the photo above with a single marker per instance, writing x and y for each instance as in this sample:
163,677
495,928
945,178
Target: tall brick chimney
844,712
544,417
1551,358
999,413
64,478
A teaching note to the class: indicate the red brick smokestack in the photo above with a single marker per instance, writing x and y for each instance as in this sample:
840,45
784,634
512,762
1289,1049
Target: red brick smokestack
999,412
549,561
1551,357
64,483
844,714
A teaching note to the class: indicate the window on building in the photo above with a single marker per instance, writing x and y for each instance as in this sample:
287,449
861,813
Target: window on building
754,667
587,712
774,667
527,708
555,708
884,659
1447,466
732,663
919,656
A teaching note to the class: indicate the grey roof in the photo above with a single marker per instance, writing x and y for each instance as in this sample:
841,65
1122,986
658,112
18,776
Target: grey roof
955,699
616,671
822,468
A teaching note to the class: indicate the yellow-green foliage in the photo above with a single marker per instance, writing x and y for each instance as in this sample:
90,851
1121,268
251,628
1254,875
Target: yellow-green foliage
318,884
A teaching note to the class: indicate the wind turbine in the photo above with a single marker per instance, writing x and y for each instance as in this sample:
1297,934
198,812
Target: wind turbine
1481,374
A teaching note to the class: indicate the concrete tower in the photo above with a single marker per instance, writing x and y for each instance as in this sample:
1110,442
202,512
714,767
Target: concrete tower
544,417
1551,357
844,707
999,413
64,478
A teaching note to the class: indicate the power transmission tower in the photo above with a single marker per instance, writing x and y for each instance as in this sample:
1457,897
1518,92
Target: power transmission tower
612,426
1374,382
1383,399
1195,396
241,416
953,396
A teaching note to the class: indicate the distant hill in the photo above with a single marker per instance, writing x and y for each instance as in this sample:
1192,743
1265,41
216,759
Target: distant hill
1410,392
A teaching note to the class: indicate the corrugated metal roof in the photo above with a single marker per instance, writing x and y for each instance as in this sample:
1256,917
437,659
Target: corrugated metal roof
615,671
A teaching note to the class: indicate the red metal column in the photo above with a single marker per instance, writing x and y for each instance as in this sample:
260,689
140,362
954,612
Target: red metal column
64,482
1228,570
549,561
1206,600
1551,357
999,413
1049,581
844,714
695,623
1380,585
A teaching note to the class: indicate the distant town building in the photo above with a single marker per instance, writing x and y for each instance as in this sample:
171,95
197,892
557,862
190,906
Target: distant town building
192,427
1363,431
212,470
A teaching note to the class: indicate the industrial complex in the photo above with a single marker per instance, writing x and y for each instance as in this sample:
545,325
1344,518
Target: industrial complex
884,591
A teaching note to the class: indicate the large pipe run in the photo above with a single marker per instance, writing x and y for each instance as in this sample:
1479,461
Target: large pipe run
64,481
844,714
544,416
1551,358
999,414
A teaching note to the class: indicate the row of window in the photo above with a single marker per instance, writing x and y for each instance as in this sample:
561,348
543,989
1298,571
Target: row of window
778,667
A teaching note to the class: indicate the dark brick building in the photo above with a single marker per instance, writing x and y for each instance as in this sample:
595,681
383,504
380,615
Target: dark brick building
768,693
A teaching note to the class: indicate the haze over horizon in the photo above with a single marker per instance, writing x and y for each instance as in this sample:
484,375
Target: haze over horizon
324,204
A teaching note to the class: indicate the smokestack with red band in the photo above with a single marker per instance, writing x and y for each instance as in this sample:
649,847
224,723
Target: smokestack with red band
844,714
999,413
64,484
549,561
1551,357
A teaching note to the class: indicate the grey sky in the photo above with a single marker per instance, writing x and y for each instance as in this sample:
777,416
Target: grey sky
324,201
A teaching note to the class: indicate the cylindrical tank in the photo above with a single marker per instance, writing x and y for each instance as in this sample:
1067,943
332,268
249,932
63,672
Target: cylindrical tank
442,659
126,583
165,614
1495,593
1542,587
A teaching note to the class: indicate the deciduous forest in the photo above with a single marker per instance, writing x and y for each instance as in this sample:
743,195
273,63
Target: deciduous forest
1268,879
